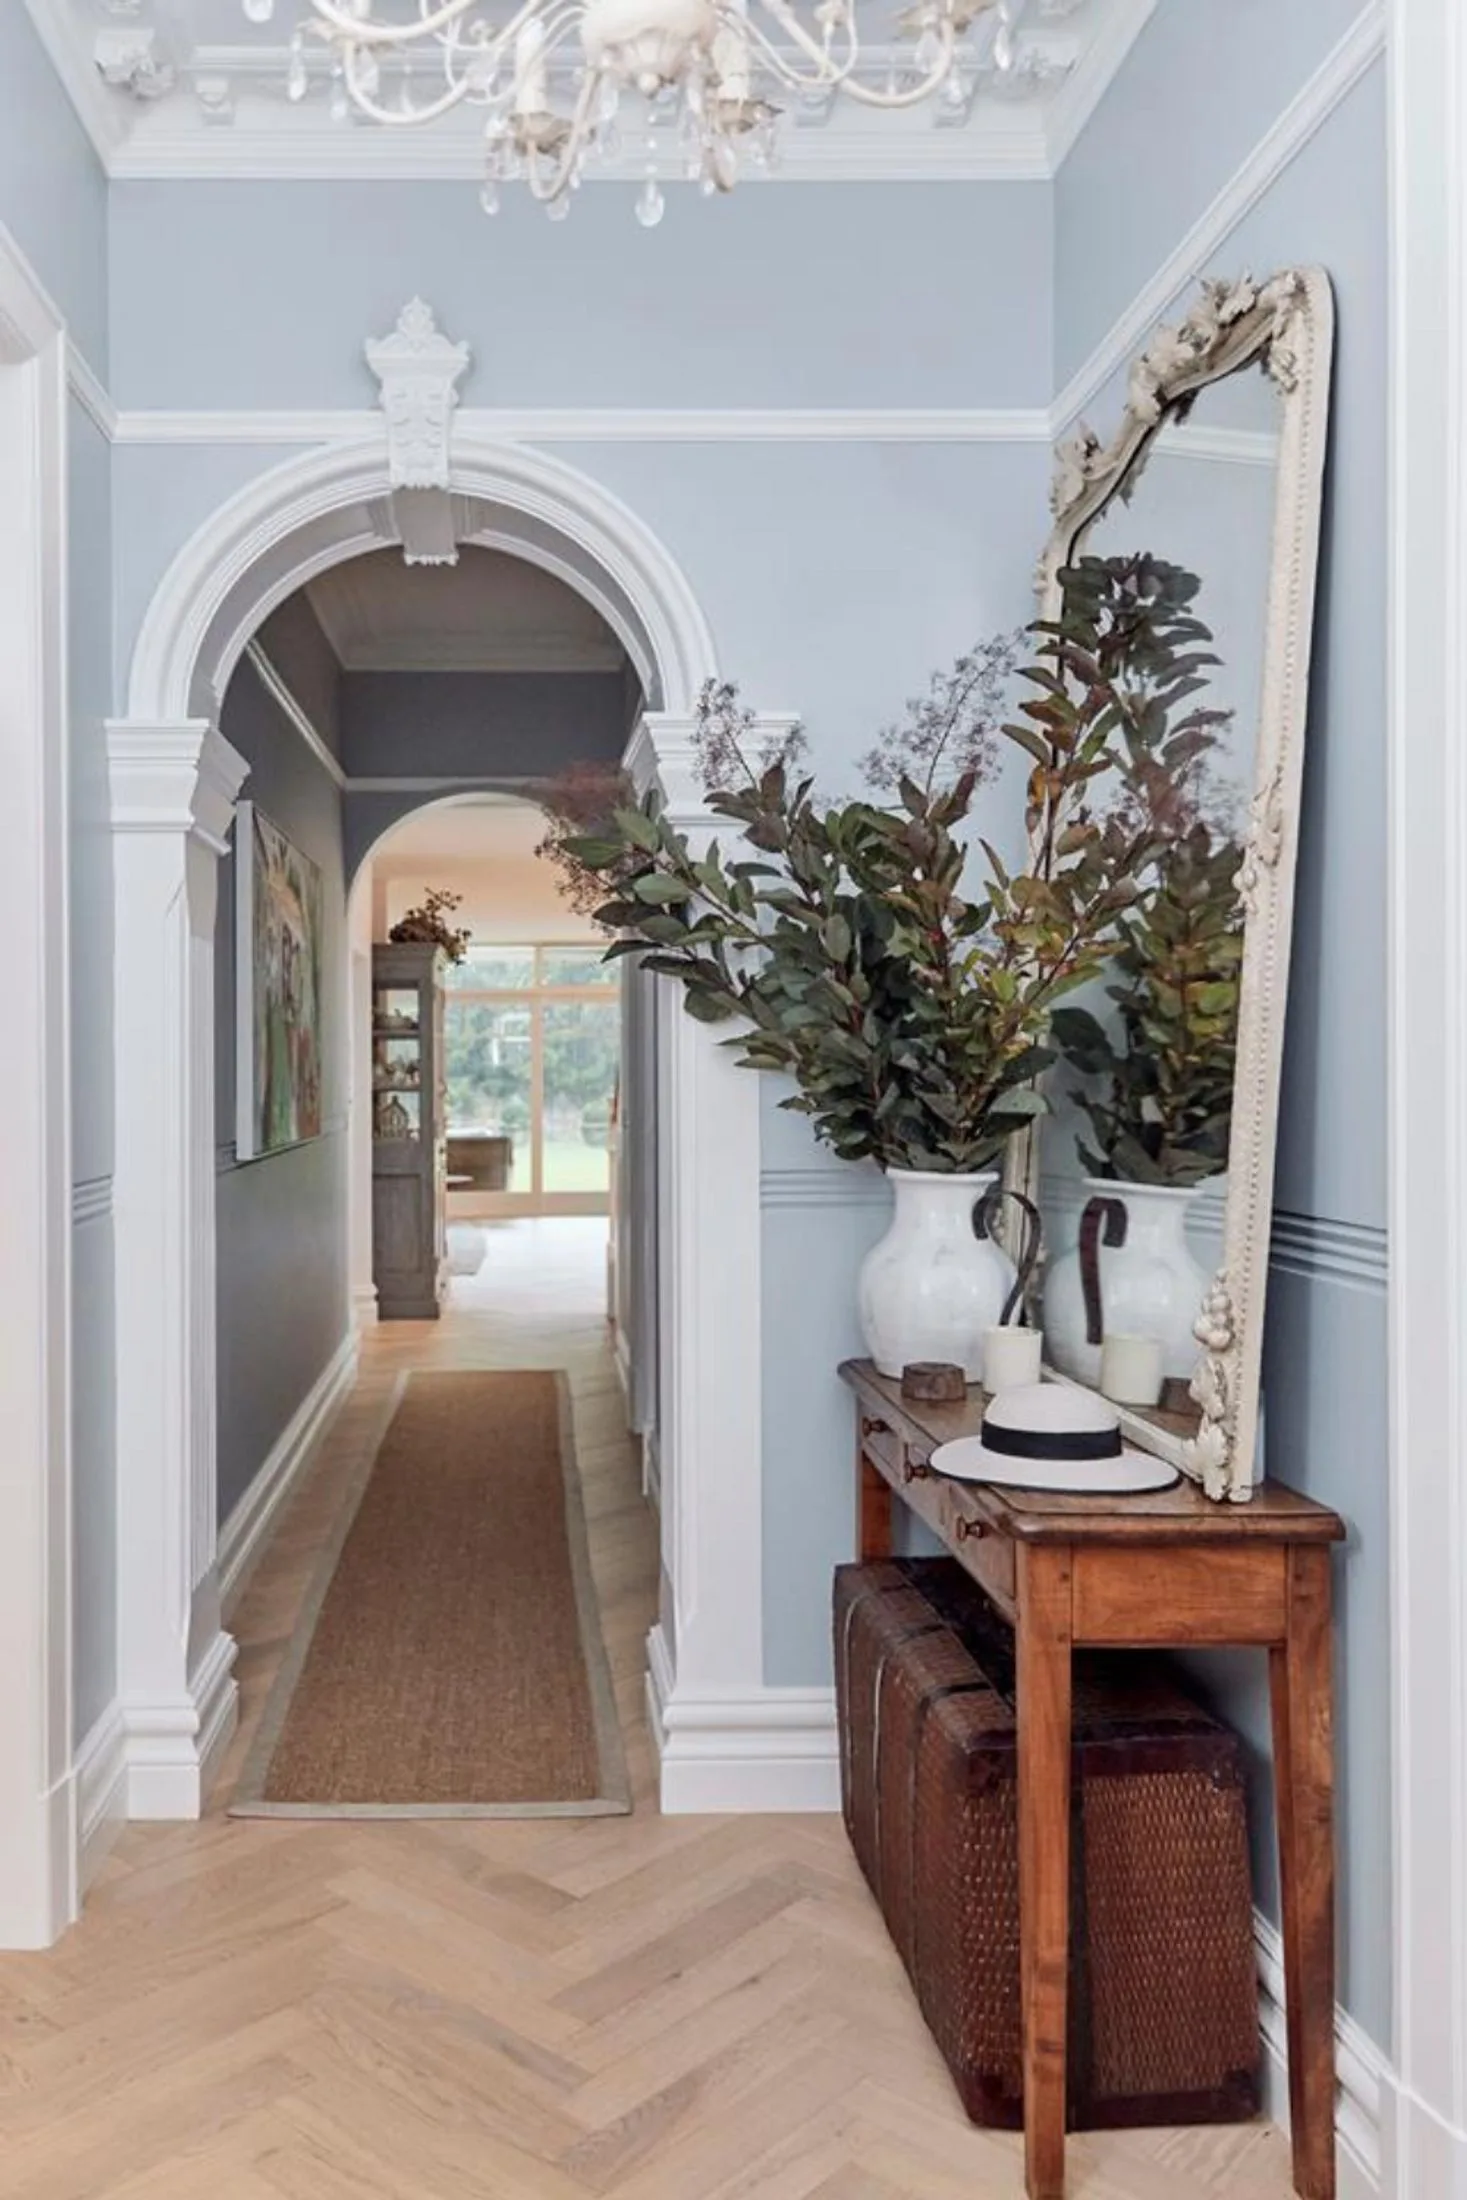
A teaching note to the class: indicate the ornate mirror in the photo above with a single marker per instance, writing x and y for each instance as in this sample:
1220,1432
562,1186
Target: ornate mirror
1180,577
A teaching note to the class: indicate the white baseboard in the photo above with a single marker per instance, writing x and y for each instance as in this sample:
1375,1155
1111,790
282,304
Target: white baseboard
1364,2081
246,1531
173,1749
101,1792
364,1305
766,1749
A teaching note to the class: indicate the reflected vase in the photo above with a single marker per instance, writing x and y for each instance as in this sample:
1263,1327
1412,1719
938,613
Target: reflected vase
932,1286
1149,1283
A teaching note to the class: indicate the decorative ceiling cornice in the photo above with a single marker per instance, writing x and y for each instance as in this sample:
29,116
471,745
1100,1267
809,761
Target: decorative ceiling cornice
156,104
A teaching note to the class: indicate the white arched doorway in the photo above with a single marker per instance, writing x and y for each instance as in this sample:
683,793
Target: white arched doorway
175,780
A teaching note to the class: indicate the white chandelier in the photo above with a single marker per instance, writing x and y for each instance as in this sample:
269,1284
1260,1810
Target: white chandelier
704,64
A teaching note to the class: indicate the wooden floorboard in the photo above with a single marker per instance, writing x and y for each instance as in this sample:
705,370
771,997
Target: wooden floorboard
633,2009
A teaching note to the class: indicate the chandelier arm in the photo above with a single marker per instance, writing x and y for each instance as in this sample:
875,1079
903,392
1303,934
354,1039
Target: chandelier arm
829,71
913,97
396,117
575,140
361,32
829,75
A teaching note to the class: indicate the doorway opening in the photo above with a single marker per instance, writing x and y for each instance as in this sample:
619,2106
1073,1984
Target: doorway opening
532,1108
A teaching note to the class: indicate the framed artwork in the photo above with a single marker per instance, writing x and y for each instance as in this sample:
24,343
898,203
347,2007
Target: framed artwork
278,956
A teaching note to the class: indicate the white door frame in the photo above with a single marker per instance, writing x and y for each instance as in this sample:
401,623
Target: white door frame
175,780
1428,1085
38,1867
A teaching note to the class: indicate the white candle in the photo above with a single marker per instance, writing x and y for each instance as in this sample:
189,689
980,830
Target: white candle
1131,1370
1010,1358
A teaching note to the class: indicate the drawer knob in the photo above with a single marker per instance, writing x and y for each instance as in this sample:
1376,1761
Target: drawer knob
915,1470
870,1426
969,1530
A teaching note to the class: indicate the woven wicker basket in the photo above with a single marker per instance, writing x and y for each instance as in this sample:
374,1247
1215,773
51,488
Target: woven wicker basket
1163,1990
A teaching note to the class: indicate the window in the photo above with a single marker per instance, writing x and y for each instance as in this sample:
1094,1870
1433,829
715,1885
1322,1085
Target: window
532,1051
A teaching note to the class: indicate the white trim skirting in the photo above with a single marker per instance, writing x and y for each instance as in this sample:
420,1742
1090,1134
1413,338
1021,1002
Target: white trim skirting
1364,2080
246,1531
173,1749
770,1749
100,1774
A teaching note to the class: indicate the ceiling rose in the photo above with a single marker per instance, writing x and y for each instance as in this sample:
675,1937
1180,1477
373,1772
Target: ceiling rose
565,83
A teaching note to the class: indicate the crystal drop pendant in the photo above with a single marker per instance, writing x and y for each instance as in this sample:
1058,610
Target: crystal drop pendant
557,210
258,11
489,197
650,204
296,81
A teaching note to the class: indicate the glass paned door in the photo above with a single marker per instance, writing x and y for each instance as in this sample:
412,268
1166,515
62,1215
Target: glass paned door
532,1042
489,1053
582,1056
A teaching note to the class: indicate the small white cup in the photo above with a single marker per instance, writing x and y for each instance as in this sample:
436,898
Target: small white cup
1131,1370
1011,1357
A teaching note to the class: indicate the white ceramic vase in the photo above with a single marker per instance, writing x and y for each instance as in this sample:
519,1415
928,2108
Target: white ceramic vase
1150,1286
932,1286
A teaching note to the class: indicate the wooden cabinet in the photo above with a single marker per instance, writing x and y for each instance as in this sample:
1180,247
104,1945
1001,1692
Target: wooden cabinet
408,1131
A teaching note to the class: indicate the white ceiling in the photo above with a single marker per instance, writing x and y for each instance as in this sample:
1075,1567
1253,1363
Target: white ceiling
476,829
199,90
488,613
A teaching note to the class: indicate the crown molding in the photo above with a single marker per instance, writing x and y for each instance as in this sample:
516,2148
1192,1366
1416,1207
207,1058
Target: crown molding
1009,150
100,111
1337,75
226,119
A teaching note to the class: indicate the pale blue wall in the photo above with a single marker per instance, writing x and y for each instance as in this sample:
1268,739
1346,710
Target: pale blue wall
53,194
1198,90
260,294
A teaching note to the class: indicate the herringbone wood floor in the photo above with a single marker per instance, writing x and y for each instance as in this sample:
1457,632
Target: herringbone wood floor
646,2009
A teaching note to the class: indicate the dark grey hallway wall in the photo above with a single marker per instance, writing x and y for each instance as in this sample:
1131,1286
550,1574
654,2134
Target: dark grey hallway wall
473,727
282,1220
523,724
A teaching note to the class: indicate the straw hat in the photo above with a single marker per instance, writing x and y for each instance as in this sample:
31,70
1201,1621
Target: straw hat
1052,1436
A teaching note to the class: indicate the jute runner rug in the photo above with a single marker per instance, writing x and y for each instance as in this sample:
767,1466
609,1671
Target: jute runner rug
448,1659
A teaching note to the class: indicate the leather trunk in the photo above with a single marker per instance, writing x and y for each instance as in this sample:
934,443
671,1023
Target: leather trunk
1163,1984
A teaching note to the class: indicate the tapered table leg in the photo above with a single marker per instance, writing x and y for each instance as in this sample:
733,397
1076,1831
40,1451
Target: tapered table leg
1043,1645
874,1509
1299,1677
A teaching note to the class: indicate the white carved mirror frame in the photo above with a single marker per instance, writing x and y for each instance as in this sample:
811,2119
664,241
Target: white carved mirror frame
1284,326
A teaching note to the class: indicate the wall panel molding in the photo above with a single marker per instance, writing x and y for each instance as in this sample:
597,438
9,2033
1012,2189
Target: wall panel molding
91,1199
608,424
1313,1246
851,1186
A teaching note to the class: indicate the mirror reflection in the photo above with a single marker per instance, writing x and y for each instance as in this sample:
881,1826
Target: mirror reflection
1165,599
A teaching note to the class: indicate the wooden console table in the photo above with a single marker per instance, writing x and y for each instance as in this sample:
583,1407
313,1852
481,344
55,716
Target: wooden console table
1166,1571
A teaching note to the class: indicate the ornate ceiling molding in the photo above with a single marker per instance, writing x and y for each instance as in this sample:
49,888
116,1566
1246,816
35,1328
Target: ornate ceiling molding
160,103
